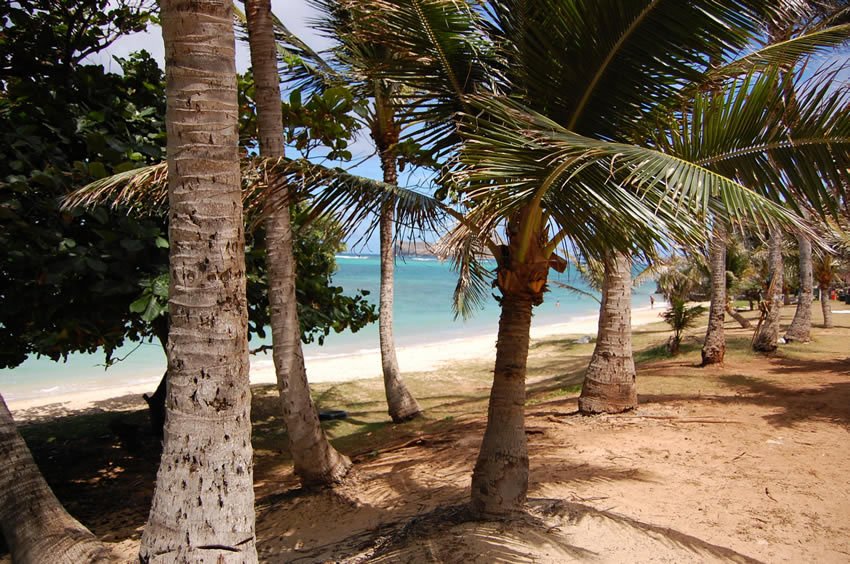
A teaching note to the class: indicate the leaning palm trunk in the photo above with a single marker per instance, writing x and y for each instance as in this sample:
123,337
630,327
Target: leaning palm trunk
35,525
401,404
742,321
766,337
825,306
801,326
203,504
714,347
609,384
315,461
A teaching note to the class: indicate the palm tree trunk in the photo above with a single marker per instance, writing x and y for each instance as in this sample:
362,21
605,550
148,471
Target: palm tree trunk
742,321
36,527
714,347
315,461
766,338
825,306
500,477
609,384
203,503
801,326
401,404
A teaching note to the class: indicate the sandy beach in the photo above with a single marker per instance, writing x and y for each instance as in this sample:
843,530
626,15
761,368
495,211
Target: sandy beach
422,358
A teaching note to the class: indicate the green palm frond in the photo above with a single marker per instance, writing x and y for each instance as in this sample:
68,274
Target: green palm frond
597,66
353,200
784,54
593,187
792,152
439,53
465,249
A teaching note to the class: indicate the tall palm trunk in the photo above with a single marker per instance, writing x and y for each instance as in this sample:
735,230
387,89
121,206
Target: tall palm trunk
203,503
801,326
500,477
714,347
35,525
825,306
609,384
766,337
401,404
314,459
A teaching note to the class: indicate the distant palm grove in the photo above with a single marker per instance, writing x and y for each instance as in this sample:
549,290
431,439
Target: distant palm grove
707,139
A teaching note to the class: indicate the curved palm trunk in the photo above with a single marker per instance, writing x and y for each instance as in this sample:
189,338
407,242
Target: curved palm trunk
801,326
825,306
714,347
742,321
401,404
36,527
203,504
609,384
766,338
315,461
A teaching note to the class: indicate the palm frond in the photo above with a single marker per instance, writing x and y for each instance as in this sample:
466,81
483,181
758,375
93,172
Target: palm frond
464,249
352,200
784,54
791,150
622,191
597,66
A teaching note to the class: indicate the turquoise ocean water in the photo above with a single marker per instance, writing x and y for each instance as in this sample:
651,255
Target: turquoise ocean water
423,314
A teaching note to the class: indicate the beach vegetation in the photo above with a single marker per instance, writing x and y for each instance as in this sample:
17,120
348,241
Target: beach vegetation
680,316
540,151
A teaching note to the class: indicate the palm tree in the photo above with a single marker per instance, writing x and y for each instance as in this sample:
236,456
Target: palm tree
766,337
826,273
714,347
314,459
580,79
203,503
609,383
35,525
801,325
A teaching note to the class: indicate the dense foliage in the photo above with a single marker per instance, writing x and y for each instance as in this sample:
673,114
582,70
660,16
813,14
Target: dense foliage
84,279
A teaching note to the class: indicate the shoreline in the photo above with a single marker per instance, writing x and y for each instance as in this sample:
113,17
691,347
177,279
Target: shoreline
354,366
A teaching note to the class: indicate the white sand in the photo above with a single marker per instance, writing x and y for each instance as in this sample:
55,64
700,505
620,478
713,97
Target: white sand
422,358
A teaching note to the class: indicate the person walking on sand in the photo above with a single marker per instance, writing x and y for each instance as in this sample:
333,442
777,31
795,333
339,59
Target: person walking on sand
651,302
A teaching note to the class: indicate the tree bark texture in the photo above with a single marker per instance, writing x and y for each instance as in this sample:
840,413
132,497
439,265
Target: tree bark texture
825,306
500,477
401,404
315,461
36,527
801,326
714,347
203,503
766,338
609,383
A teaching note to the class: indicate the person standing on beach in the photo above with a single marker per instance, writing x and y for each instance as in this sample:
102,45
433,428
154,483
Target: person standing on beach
651,302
